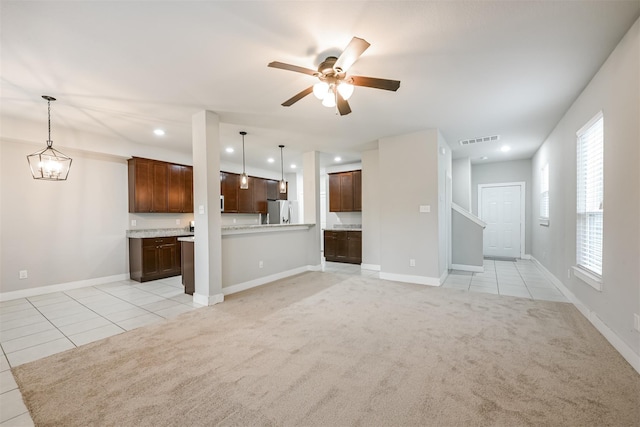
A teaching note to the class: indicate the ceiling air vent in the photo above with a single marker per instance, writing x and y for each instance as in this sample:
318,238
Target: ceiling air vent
472,141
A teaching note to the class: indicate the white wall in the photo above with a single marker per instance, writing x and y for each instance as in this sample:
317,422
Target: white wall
62,231
371,200
461,180
499,172
615,90
408,179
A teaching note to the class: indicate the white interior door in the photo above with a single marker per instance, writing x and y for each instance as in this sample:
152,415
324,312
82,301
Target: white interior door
501,211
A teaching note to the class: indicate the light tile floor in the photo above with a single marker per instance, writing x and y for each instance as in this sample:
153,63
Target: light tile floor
39,326
36,327
519,278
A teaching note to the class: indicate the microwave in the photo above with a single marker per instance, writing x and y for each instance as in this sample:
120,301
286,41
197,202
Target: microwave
221,203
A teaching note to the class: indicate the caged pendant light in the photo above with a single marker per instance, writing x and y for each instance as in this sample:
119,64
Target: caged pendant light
244,178
283,183
49,164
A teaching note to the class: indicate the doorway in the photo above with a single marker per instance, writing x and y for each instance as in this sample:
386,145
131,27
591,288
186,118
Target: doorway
502,208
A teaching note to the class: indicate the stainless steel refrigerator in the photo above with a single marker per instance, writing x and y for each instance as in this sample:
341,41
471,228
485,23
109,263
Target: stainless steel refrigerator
281,212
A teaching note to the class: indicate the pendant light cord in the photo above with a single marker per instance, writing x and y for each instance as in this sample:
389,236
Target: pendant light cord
49,142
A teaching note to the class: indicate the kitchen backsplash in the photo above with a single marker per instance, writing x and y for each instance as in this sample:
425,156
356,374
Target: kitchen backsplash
337,219
141,221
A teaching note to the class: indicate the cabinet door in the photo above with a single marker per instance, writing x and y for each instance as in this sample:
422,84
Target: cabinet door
230,184
187,199
167,258
346,192
150,264
357,191
259,195
334,193
140,184
175,189
159,187
329,245
342,246
354,247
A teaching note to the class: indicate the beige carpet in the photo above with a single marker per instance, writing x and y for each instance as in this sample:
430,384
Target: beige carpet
334,350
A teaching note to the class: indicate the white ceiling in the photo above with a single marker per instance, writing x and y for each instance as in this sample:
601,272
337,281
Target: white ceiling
471,69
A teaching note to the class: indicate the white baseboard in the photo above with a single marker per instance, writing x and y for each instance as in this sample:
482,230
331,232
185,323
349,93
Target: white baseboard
41,290
208,299
623,348
407,278
464,267
527,256
372,267
239,287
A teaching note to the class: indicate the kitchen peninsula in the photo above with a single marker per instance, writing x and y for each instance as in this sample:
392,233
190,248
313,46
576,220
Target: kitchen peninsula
253,254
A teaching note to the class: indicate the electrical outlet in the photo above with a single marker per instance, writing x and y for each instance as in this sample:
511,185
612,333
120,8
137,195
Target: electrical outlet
636,322
412,262
23,274
133,222
260,264
234,220
177,222
425,208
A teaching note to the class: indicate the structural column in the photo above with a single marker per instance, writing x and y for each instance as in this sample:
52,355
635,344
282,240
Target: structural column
206,199
311,202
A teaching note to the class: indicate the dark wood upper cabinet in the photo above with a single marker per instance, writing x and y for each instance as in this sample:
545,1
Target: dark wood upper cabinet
245,197
357,191
345,191
140,185
259,195
229,187
273,192
159,187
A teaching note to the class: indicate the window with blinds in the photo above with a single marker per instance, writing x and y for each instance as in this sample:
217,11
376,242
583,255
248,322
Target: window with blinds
544,194
590,196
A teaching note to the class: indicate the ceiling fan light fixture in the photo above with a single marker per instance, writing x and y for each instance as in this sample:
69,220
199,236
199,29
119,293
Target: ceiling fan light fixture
329,99
346,90
320,90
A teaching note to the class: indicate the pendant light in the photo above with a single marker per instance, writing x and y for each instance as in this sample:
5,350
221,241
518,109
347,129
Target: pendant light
244,179
49,164
283,183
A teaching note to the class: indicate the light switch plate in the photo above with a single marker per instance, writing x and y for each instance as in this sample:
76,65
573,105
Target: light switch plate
636,322
133,222
201,210
425,208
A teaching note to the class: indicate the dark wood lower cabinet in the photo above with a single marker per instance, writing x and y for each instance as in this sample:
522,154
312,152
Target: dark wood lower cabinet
188,268
154,258
343,246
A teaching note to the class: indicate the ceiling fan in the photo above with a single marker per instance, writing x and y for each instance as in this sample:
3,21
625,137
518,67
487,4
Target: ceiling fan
335,86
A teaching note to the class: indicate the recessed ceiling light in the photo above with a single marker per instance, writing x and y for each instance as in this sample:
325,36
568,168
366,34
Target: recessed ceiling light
270,160
229,149
483,158
159,132
338,159
505,148
293,166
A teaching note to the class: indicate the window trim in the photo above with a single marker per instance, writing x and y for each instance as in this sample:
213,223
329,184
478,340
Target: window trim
544,189
583,273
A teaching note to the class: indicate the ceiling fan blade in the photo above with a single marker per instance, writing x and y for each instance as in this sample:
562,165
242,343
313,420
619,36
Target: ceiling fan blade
289,102
375,83
343,105
351,53
283,66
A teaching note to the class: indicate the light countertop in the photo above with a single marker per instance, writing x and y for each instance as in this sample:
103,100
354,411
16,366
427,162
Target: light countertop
188,236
